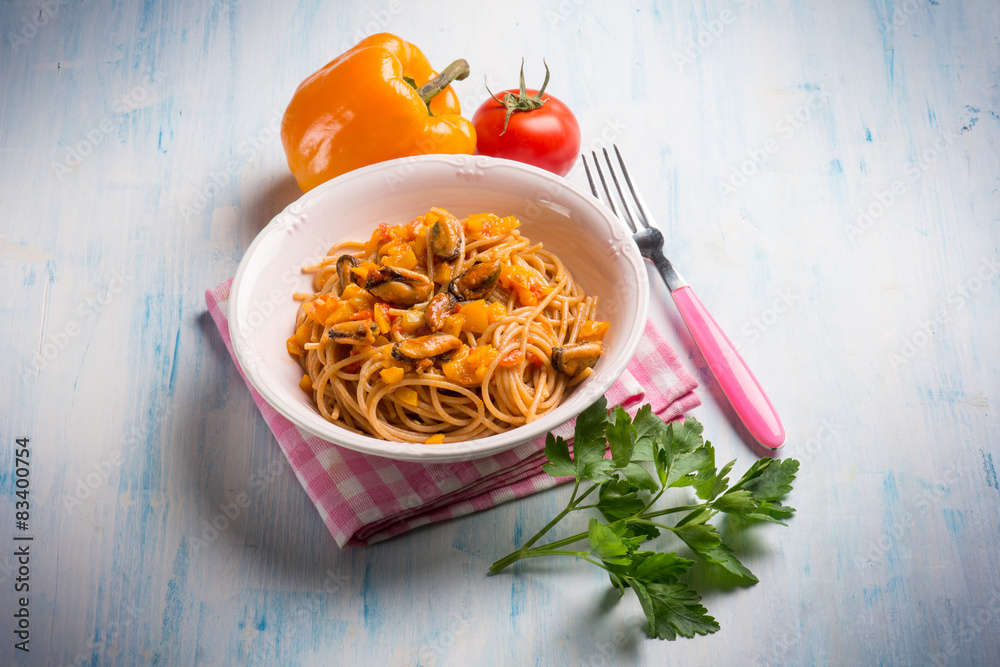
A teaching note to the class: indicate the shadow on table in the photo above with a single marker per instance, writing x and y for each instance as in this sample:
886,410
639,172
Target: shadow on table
251,501
269,201
614,624
279,532
713,581
707,381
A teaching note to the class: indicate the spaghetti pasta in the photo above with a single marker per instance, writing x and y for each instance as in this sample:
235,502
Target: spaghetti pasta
443,330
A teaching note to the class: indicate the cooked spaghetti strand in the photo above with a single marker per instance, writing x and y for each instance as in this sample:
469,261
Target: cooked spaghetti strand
442,330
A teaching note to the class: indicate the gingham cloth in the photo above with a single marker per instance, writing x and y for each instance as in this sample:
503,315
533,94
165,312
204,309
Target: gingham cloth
364,499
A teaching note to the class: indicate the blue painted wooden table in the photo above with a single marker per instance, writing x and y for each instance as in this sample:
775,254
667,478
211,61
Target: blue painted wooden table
826,175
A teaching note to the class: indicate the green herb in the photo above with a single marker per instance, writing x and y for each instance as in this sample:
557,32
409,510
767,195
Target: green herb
649,456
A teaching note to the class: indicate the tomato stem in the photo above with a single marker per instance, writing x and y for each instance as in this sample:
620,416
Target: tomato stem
521,101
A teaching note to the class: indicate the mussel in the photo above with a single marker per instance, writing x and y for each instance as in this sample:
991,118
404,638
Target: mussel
444,237
399,287
476,282
425,347
438,309
573,359
354,332
344,265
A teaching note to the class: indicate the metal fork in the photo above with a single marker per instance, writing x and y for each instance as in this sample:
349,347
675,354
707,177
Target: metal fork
732,373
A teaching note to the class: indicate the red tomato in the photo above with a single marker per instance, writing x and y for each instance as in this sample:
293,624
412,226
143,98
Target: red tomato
547,136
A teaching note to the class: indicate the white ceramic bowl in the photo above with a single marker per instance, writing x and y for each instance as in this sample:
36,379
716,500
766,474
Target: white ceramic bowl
590,240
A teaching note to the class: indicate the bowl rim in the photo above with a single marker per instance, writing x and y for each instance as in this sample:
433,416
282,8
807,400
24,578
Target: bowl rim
593,388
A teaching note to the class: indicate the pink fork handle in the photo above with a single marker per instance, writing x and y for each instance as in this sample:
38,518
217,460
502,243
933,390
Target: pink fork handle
730,371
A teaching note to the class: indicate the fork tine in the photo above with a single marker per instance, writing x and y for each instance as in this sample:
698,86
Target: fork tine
621,193
590,178
640,204
604,183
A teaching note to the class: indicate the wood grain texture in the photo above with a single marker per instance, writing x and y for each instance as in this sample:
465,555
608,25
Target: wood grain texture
826,175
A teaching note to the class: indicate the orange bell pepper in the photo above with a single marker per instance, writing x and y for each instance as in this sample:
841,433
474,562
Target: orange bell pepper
359,109
594,330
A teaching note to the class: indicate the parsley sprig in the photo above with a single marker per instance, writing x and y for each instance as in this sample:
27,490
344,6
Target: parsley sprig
649,456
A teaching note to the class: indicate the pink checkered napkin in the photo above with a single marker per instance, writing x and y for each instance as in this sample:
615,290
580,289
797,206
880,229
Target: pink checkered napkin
364,499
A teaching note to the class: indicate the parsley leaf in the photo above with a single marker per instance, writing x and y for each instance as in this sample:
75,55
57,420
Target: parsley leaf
755,496
701,537
649,456
621,437
618,499
770,512
637,475
685,436
674,469
605,544
557,452
655,567
648,428
642,528
589,444
769,479
680,452
709,482
723,555
739,502
590,428
674,609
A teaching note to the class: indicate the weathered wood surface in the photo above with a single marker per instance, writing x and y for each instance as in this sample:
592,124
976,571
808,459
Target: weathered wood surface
826,175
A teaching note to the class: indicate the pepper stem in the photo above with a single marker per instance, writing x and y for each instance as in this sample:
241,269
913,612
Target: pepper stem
456,71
